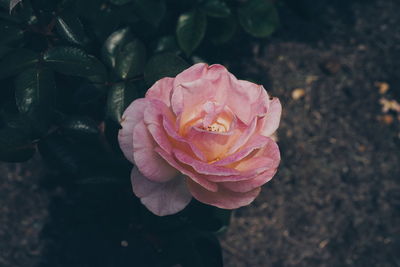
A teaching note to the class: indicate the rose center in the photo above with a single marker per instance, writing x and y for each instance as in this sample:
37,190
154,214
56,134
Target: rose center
215,127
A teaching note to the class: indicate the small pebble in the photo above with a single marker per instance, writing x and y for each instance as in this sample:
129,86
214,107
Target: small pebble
383,87
298,93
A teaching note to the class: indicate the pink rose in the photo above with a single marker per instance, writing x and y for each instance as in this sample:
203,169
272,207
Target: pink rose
202,134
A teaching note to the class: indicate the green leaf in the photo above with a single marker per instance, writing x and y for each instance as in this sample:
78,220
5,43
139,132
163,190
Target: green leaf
35,91
167,44
15,145
4,50
131,59
56,149
113,45
81,127
17,61
73,61
190,30
163,65
13,4
10,34
258,18
151,11
221,30
71,29
119,97
25,14
120,2
217,8
15,138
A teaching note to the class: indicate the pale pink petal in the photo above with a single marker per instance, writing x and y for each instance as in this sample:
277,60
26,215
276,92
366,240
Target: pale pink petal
223,198
215,71
188,98
255,142
202,167
246,133
200,70
261,160
212,110
270,122
146,159
267,157
193,73
255,97
161,90
181,143
213,145
154,115
188,171
250,184
132,116
161,198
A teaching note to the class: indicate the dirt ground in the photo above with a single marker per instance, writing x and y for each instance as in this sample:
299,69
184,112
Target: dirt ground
336,198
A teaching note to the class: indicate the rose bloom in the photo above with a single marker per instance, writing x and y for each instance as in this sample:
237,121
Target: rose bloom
203,134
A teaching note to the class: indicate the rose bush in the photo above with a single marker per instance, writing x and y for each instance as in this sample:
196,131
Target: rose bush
203,134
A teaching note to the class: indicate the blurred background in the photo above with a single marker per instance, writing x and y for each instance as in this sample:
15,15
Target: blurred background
335,201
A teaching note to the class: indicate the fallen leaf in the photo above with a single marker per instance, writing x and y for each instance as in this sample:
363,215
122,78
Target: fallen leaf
388,105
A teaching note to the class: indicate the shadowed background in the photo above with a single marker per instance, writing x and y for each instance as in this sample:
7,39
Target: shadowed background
335,200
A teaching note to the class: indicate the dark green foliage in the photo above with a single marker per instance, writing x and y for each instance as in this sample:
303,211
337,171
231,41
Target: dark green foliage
130,60
15,139
190,30
69,69
81,127
113,45
119,97
71,29
163,65
35,97
17,60
73,61
258,17
217,8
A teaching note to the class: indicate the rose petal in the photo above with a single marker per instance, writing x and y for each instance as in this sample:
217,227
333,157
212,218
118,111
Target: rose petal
181,143
223,198
267,157
161,198
264,159
246,134
255,97
132,115
270,122
146,159
200,70
193,73
213,145
154,115
190,95
201,167
161,90
250,184
198,178
255,142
